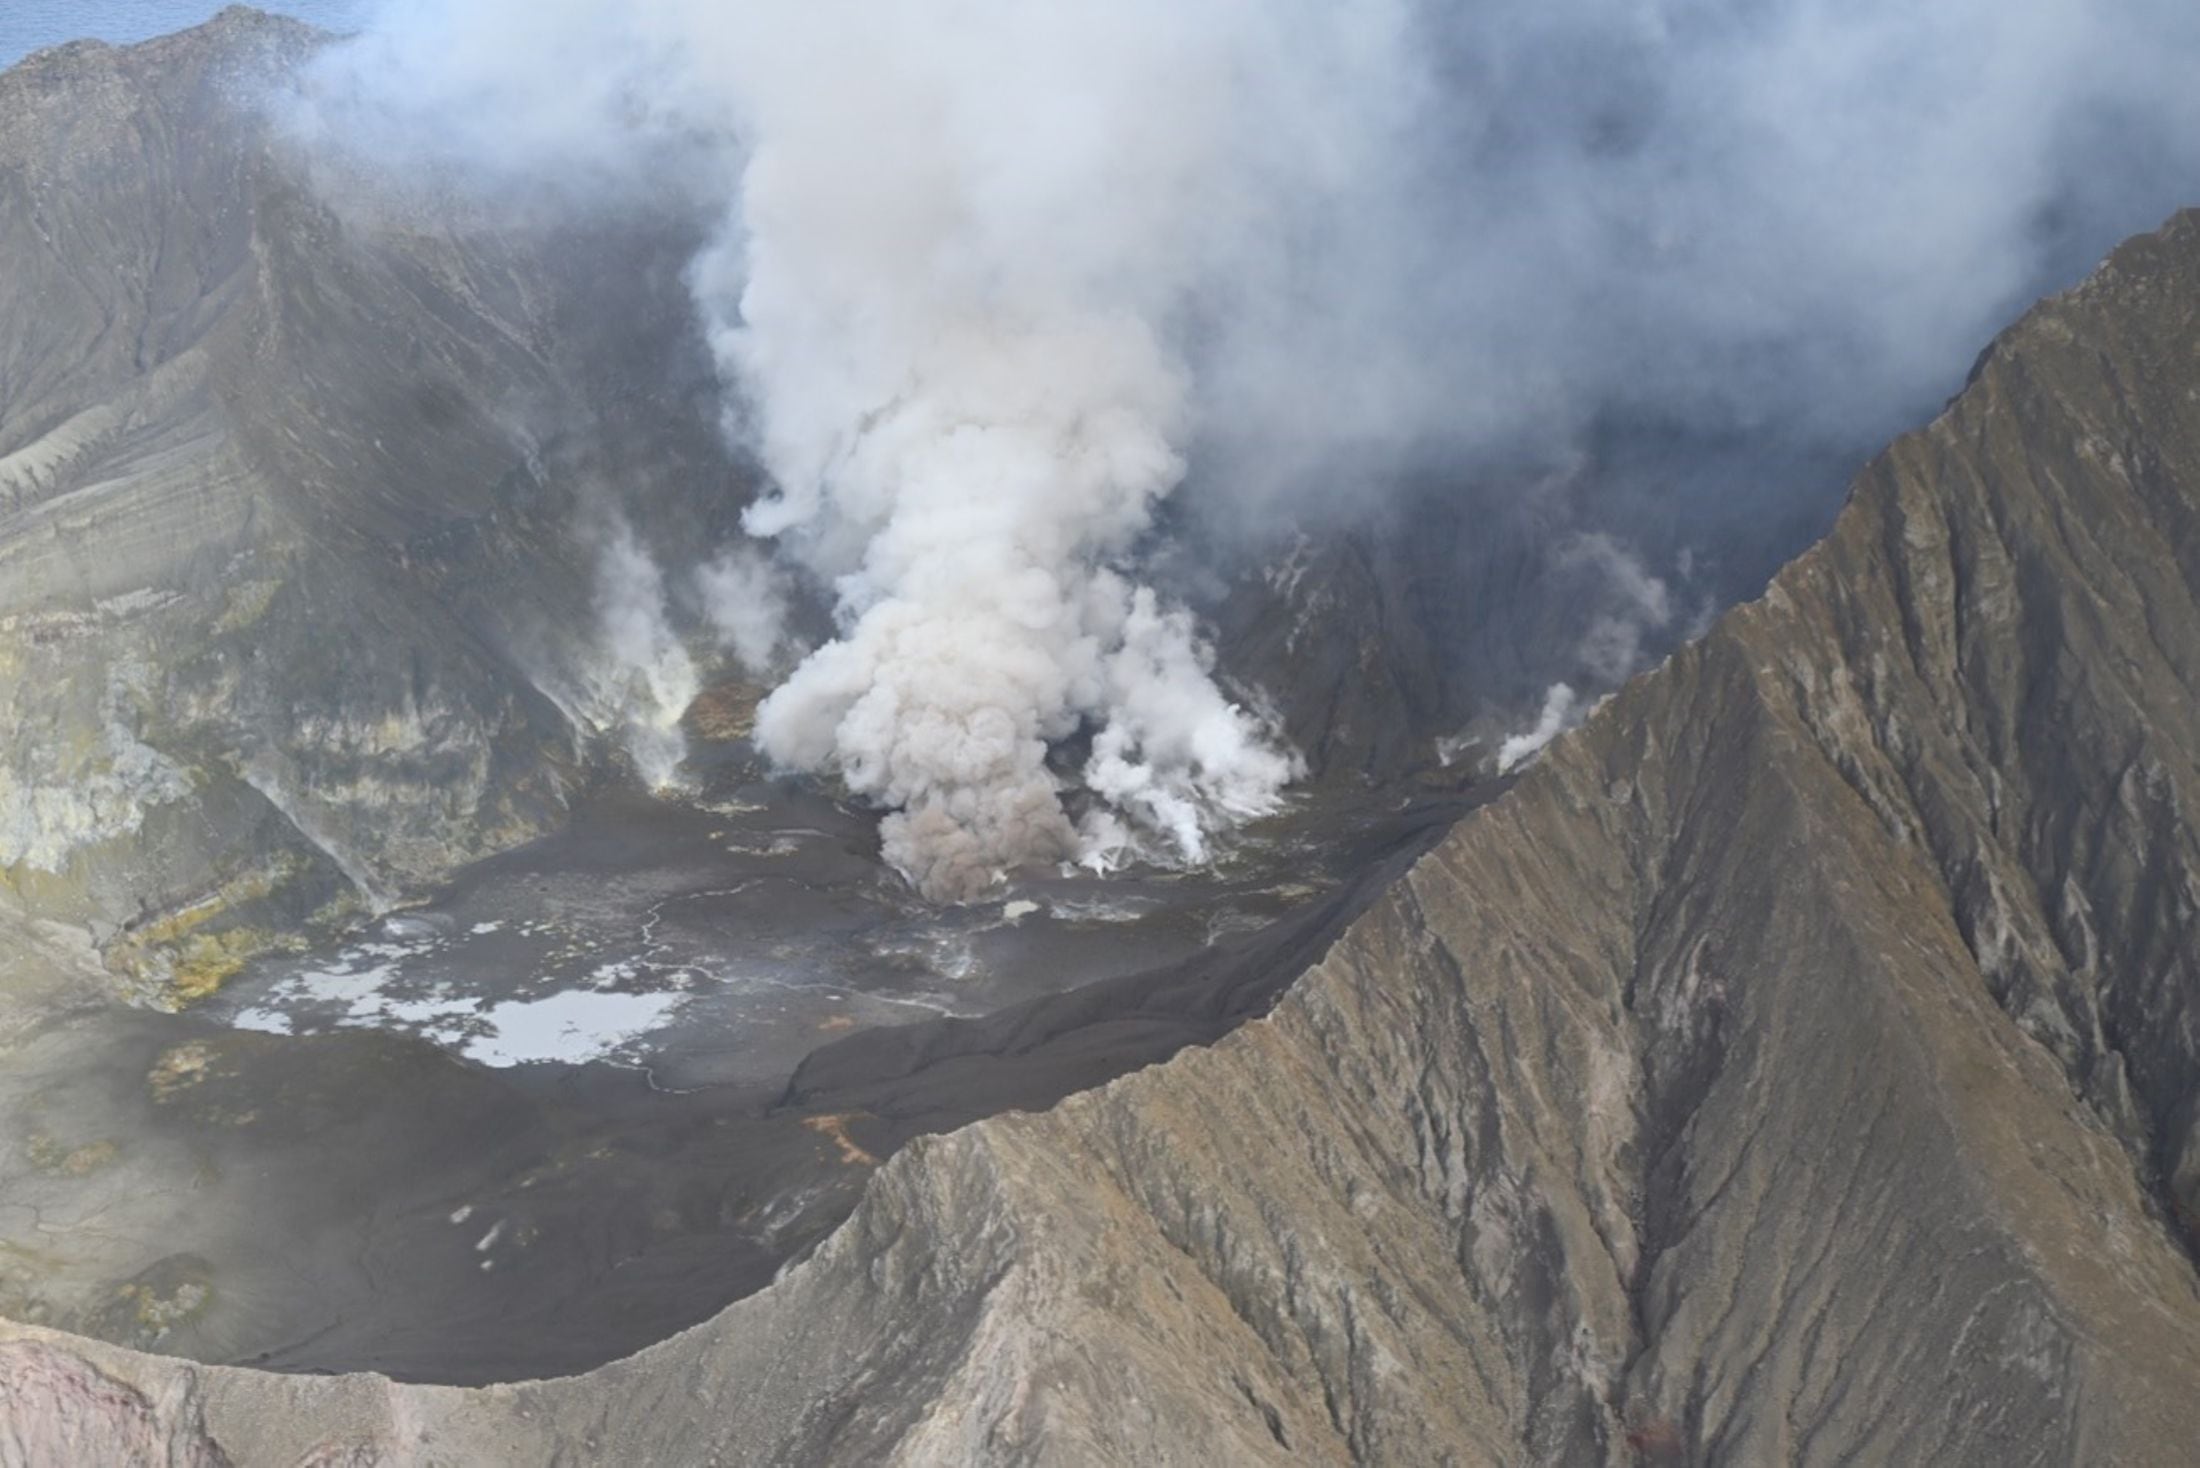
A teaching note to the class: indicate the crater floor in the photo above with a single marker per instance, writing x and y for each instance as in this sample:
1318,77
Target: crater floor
549,1115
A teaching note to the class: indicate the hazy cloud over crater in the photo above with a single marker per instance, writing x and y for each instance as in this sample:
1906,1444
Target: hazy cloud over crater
990,280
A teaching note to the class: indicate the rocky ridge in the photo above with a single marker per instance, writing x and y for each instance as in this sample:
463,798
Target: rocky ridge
293,615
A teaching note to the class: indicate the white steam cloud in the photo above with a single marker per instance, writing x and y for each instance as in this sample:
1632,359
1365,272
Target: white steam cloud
1560,713
992,281
956,272
950,300
652,679
745,598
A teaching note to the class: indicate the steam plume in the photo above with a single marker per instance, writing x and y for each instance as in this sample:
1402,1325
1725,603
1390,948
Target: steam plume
1558,715
745,598
993,281
654,679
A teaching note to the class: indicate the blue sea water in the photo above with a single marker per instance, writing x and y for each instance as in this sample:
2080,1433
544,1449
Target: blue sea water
32,25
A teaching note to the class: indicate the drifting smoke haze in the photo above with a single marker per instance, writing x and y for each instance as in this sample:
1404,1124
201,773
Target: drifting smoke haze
745,599
991,282
653,678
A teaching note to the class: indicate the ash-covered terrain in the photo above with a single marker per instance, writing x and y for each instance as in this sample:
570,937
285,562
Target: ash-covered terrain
532,931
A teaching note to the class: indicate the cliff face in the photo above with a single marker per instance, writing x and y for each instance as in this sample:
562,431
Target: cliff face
1796,1065
292,610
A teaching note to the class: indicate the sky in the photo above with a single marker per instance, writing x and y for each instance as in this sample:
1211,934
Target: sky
32,25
